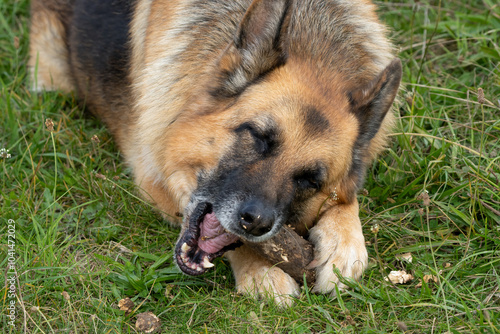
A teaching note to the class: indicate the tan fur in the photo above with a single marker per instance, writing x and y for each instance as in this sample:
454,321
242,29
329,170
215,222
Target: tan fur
339,243
172,128
48,62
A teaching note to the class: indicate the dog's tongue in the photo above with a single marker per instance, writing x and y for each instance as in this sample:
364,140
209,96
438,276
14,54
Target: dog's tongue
213,237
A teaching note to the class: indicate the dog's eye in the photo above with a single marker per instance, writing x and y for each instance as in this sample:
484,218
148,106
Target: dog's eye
308,180
264,141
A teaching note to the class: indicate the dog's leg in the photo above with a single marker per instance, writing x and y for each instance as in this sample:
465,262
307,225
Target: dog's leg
338,242
49,63
257,277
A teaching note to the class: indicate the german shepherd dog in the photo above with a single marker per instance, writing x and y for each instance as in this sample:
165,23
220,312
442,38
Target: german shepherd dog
239,116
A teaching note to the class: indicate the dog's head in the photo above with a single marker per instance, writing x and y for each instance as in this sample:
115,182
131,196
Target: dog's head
275,132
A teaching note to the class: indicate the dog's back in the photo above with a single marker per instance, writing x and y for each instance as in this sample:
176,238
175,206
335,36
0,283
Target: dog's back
82,46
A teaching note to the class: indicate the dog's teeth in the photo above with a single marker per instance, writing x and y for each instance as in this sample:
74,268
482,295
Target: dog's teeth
206,263
199,269
185,248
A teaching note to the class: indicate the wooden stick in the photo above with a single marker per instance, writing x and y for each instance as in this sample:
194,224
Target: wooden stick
290,252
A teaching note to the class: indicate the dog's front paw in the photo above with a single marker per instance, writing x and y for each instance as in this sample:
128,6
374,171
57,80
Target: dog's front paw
268,282
257,277
338,243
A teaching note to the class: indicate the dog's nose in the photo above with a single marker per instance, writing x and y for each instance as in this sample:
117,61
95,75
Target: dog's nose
255,219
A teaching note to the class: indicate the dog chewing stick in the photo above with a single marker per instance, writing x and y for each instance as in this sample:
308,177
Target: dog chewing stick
290,252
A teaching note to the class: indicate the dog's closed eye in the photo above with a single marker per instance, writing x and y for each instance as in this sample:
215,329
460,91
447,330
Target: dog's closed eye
309,179
265,141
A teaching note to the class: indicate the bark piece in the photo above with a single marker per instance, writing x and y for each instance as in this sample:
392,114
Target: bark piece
290,252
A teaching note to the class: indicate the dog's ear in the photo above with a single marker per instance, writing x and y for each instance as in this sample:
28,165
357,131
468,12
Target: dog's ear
371,102
255,49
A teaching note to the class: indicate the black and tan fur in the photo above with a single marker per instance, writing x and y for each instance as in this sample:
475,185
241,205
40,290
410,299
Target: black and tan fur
270,111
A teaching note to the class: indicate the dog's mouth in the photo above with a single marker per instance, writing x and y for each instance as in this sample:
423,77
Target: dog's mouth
203,240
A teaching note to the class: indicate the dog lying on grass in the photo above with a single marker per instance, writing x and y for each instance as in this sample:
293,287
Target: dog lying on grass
241,116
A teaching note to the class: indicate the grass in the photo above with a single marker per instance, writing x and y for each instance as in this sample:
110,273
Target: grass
84,240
